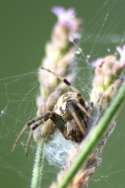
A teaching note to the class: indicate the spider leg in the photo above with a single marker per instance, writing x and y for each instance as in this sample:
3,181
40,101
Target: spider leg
83,110
29,140
36,122
18,137
77,120
30,123
57,120
62,79
72,109
33,124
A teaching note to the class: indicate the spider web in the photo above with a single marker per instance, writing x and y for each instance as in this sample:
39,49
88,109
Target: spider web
102,33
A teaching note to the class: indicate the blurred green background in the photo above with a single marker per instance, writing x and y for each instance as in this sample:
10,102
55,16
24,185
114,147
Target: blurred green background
25,29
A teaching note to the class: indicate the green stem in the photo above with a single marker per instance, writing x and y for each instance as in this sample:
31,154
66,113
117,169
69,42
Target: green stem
95,134
36,180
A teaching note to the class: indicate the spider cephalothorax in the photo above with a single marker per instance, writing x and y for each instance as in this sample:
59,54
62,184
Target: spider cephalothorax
68,113
75,113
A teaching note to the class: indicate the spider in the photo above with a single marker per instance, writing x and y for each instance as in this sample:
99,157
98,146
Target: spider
68,112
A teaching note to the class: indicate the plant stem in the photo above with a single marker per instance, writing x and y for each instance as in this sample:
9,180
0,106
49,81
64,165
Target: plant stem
38,166
94,136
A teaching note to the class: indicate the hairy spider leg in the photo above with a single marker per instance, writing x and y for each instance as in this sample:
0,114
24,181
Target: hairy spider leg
73,113
30,123
56,119
28,142
34,120
18,137
83,109
62,79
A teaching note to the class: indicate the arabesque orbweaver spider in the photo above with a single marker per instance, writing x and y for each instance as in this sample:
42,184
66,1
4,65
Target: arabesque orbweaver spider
69,113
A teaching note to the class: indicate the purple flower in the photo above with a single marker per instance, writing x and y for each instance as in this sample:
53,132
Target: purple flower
65,17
